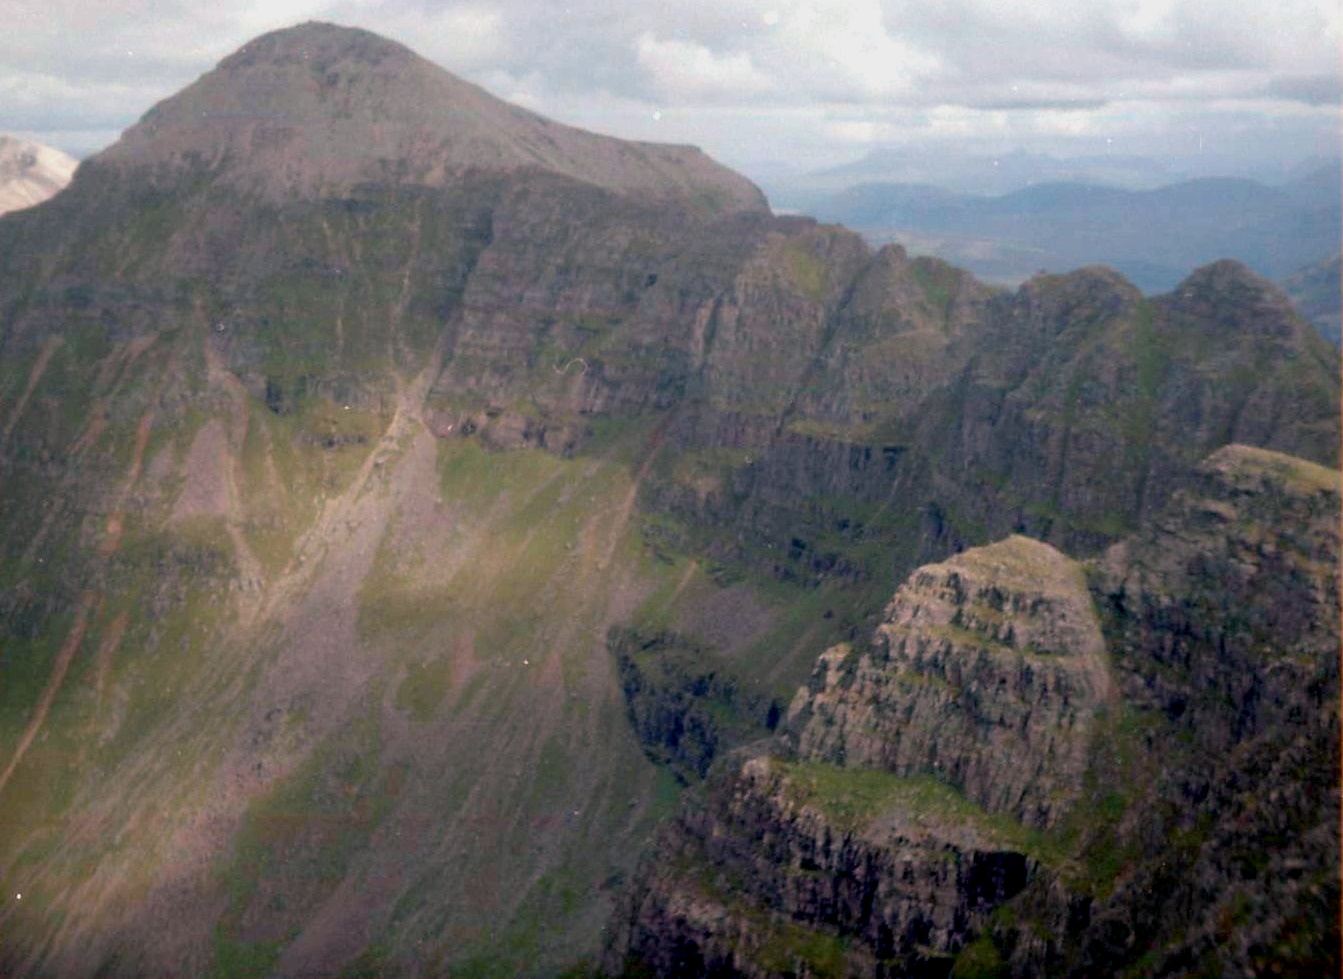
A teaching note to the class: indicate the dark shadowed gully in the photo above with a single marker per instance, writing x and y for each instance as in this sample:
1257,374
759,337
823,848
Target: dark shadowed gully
435,541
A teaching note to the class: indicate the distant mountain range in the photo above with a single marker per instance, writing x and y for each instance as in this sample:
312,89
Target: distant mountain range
1315,292
31,172
791,188
969,173
1153,237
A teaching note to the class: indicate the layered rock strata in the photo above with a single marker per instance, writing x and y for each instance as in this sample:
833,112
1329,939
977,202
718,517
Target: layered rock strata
988,672
1142,760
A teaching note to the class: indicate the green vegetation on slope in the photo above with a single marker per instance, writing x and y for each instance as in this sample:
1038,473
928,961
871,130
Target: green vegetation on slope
852,798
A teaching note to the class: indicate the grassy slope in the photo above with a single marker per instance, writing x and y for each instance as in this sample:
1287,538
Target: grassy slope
449,779
357,706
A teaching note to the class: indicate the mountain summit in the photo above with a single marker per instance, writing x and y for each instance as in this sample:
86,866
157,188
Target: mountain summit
320,107
30,173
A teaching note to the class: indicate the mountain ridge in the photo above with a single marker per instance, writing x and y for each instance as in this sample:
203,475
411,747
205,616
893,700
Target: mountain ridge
381,561
1154,236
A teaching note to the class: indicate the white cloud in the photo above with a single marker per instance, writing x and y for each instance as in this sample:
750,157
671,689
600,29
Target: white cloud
1149,20
846,52
466,36
682,70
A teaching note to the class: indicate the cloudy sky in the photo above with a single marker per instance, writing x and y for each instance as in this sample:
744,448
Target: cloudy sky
761,83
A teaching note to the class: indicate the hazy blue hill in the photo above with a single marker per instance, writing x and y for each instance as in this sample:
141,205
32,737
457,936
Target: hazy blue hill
1215,192
1053,197
1003,173
889,203
962,173
1152,236
1322,185
1315,292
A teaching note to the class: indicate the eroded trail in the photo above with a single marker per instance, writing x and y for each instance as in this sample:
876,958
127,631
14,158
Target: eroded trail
107,649
338,519
249,568
88,601
34,376
116,520
74,638
621,518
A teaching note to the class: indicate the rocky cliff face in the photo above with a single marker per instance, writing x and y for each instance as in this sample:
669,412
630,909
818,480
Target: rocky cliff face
1070,411
1223,621
987,671
816,870
330,480
1021,775
685,704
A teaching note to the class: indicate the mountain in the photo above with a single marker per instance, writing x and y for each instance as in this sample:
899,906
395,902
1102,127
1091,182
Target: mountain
400,514
1314,291
30,173
965,173
1321,184
1153,236
1014,773
309,111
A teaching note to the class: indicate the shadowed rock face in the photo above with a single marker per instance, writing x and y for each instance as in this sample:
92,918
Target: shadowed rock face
343,434
782,870
1199,788
1222,618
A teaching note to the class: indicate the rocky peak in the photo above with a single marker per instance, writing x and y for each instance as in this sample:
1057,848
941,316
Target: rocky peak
1084,296
1231,299
1017,593
1235,494
1219,276
987,672
895,294
318,108
1248,469
318,45
1229,596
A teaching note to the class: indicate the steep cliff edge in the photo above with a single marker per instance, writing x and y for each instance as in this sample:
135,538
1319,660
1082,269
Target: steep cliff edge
1190,794
987,671
1223,620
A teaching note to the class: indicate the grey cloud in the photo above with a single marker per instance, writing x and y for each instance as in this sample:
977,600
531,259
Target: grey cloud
1312,90
1039,105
